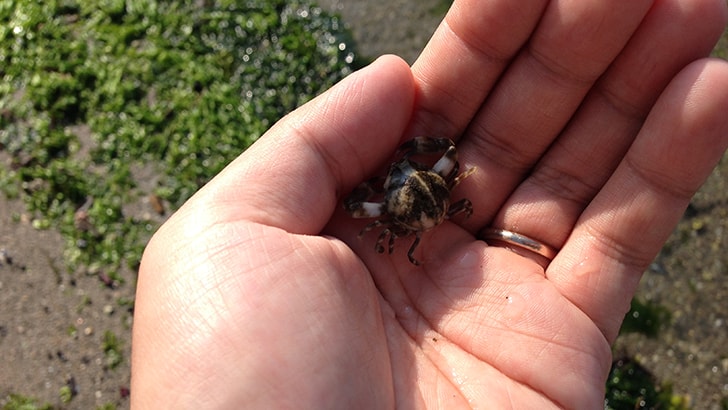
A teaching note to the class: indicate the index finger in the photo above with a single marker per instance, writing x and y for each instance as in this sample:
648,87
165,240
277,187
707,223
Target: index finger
464,59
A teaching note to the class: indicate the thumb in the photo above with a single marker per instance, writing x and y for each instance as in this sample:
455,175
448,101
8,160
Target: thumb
293,175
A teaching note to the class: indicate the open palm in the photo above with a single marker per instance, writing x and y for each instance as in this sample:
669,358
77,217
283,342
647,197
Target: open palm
591,125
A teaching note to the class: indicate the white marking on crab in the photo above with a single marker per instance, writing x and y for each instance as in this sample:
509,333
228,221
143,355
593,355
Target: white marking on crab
372,209
426,222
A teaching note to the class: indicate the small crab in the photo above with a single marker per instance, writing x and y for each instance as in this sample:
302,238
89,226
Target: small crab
415,197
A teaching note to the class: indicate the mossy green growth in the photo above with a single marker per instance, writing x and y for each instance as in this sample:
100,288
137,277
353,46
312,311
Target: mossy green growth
20,402
441,7
721,51
630,386
66,394
646,318
111,345
92,91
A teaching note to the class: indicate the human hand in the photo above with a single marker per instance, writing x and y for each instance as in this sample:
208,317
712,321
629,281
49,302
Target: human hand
591,124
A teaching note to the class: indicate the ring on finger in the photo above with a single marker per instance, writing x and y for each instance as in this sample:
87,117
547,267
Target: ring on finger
514,239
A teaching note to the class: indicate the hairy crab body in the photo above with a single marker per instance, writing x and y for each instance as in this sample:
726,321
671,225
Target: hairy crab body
416,197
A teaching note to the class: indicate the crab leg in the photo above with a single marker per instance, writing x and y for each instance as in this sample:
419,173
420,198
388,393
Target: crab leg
448,164
357,204
410,253
462,176
463,205
365,209
369,227
379,247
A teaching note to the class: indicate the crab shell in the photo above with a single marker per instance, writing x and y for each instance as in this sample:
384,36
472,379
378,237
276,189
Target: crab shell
416,198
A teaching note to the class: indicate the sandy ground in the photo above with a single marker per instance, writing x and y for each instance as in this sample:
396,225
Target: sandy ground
53,324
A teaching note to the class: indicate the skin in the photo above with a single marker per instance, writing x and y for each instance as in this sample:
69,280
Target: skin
591,123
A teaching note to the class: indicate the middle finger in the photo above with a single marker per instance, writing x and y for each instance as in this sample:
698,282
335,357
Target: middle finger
573,45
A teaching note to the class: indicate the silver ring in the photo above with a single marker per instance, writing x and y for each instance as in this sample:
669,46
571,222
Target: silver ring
518,240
